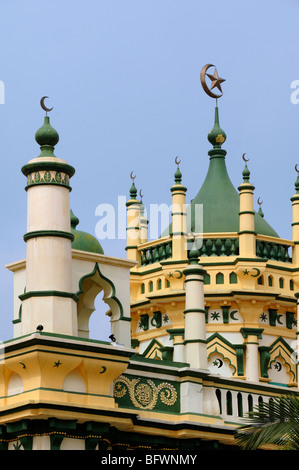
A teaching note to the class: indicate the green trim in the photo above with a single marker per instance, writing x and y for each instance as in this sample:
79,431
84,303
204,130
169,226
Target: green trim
176,332
133,228
131,247
252,332
188,310
179,233
113,296
204,341
49,165
48,233
247,212
48,293
91,345
247,231
51,183
181,261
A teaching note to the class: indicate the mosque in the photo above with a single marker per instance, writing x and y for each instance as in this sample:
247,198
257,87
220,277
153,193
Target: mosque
203,319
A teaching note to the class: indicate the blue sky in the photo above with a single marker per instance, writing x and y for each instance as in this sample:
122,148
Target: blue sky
123,77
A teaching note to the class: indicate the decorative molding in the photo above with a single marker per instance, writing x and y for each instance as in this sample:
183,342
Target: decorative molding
145,395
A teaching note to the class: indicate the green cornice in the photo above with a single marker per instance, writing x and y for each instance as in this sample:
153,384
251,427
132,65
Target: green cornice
48,293
252,332
48,165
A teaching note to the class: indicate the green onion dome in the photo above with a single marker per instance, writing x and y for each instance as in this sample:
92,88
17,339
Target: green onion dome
83,241
47,137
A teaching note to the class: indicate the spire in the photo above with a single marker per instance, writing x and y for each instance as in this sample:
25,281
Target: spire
133,190
246,174
178,174
46,137
216,136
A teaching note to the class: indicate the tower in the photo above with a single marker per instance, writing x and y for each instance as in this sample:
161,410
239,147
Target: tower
48,239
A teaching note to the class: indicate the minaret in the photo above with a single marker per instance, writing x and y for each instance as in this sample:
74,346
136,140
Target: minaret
195,325
143,222
247,235
179,225
133,224
295,223
48,301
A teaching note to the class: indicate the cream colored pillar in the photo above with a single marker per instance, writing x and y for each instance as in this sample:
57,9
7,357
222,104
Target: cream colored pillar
252,361
179,218
247,235
48,300
195,326
143,224
177,336
133,225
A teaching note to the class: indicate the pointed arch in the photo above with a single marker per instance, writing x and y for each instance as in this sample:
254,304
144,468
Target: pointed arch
90,285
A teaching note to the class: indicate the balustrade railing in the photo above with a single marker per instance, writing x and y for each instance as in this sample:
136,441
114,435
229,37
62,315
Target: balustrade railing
156,253
275,251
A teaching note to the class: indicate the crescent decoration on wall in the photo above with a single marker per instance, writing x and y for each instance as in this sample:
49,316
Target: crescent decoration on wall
42,103
220,363
216,81
103,370
278,317
180,274
232,314
258,272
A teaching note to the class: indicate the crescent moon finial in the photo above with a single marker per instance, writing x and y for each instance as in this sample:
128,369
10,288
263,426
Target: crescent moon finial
259,201
131,175
42,103
245,159
296,167
177,161
215,81
140,194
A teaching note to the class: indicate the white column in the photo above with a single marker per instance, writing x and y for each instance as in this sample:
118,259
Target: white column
195,326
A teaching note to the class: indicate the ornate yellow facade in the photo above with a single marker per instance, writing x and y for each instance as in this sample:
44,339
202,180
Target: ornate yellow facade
203,319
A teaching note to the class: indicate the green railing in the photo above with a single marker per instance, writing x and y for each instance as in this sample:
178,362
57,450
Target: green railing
219,247
275,251
156,253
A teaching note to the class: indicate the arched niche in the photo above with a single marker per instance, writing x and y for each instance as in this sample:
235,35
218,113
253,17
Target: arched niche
15,385
90,285
74,382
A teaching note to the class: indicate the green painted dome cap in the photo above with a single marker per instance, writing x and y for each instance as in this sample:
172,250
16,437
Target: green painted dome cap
178,176
216,136
83,241
133,191
47,137
246,174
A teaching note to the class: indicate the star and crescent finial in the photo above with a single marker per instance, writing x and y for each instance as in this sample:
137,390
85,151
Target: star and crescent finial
215,81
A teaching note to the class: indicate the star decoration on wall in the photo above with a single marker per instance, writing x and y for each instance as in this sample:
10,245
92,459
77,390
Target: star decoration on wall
246,272
57,364
165,318
263,317
215,316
